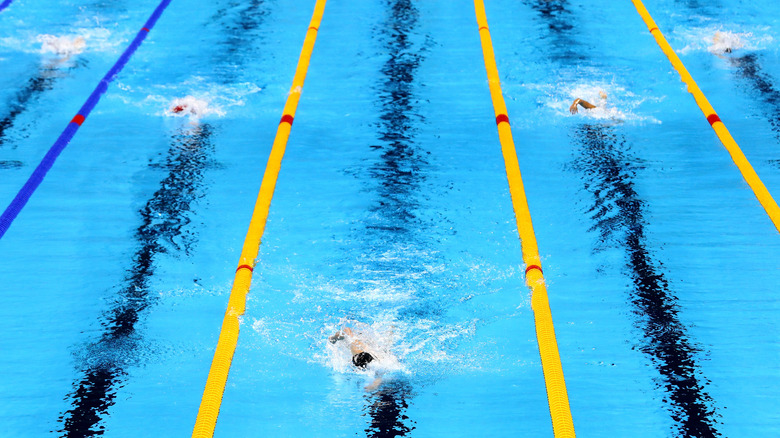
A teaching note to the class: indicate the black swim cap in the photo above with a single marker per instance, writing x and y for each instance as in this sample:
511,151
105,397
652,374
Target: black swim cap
362,359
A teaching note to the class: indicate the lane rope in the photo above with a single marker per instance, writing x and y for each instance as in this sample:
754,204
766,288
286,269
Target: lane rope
557,397
5,4
744,166
27,190
228,336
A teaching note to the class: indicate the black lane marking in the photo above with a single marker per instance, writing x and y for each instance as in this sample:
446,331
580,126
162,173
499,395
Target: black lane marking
163,230
387,408
36,85
618,215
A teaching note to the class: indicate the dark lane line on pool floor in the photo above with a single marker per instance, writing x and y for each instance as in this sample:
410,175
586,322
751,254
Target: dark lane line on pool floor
618,216
397,178
608,175
239,43
164,230
164,218
41,82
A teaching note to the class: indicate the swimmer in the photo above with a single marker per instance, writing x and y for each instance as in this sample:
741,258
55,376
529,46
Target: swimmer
585,104
725,42
360,355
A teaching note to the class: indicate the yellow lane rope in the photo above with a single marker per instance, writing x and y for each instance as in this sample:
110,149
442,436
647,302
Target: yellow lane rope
228,337
763,195
563,426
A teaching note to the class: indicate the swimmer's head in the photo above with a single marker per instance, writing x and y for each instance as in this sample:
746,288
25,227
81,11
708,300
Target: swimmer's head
362,359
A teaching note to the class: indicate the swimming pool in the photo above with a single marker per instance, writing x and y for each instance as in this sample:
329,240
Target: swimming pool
391,213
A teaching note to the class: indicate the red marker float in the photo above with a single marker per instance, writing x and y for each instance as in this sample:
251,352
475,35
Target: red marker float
712,118
287,119
251,269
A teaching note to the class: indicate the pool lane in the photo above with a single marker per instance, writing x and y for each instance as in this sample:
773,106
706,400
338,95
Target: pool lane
38,84
617,214
164,230
208,412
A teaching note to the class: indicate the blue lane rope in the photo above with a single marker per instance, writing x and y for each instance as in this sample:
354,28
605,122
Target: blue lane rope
39,173
5,4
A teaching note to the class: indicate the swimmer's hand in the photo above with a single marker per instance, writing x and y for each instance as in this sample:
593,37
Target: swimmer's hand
374,385
585,104
336,337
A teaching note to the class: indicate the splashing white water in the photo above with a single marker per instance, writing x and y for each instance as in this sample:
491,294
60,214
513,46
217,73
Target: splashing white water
202,99
62,45
716,40
613,102
191,106
78,41
726,42
379,339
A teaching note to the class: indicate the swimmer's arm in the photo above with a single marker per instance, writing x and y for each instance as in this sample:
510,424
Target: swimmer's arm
374,385
583,103
341,334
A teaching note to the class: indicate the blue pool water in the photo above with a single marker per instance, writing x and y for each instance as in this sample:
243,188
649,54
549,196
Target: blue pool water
391,214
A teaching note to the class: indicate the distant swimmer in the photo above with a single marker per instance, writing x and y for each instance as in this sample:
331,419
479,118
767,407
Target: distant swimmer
189,106
360,354
726,42
585,104
63,46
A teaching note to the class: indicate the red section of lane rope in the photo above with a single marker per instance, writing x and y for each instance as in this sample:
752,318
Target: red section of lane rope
287,119
502,118
245,267
78,119
538,268
712,118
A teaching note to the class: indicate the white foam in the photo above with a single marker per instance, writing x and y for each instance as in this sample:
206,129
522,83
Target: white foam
77,41
192,107
201,99
613,102
379,340
62,45
716,40
727,42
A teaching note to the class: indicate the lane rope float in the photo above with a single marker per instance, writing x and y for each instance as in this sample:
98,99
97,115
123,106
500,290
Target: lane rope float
35,180
744,166
5,4
557,397
228,336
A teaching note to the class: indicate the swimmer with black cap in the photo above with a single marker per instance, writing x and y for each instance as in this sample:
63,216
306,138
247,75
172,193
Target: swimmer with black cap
360,356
